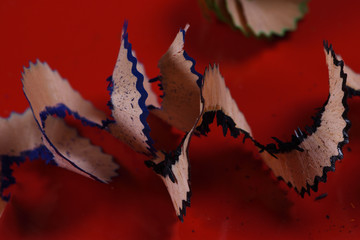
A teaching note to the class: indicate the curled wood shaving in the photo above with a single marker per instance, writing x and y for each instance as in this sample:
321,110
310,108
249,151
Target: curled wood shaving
190,103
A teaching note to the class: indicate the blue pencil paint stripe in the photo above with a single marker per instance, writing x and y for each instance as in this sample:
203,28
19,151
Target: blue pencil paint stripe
140,88
61,110
192,69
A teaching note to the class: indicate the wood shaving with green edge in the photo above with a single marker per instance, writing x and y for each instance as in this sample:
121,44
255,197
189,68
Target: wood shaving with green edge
260,17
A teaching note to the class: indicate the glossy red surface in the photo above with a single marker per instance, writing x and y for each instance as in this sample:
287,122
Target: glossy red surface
277,83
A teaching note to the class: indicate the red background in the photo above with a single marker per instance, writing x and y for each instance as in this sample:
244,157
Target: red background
277,84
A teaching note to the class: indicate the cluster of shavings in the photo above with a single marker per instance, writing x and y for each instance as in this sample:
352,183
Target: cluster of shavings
132,100
190,103
302,163
305,160
259,17
41,131
51,98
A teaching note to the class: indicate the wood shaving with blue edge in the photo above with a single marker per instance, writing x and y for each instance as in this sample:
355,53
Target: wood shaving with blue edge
190,103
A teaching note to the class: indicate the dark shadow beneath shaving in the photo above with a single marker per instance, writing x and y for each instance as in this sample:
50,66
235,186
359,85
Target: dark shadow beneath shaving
234,181
33,212
49,199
